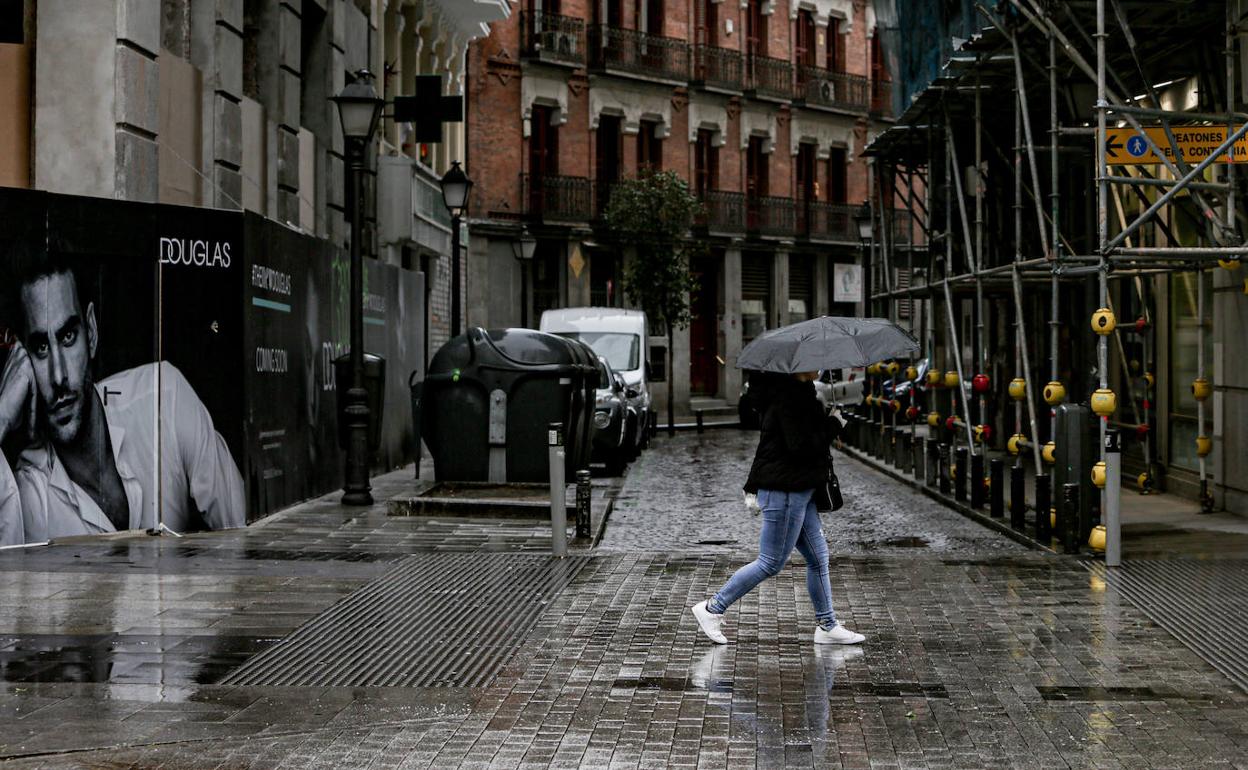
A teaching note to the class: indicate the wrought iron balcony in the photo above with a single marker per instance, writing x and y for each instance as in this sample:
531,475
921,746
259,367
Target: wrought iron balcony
717,67
769,78
553,38
818,87
558,198
827,221
771,215
723,211
638,53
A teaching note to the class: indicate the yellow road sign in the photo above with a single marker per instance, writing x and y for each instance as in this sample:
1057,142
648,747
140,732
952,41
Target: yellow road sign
1125,146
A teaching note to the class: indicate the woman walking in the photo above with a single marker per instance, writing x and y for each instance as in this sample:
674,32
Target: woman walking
791,461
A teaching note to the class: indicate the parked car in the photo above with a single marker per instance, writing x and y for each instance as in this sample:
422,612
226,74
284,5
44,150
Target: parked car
622,337
829,388
611,420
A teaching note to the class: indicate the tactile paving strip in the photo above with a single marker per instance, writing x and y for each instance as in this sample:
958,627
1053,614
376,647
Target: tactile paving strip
1204,603
435,620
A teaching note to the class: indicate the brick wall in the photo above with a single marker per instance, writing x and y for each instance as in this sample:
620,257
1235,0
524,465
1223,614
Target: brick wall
498,151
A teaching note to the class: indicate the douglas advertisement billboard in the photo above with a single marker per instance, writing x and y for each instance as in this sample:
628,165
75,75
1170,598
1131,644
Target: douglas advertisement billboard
163,365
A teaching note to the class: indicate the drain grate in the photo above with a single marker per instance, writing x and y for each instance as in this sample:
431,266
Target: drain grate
1203,603
435,620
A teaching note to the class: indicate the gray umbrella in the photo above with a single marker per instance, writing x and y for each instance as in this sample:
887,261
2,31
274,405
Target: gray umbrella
827,342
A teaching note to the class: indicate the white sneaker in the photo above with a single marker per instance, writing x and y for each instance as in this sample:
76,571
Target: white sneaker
710,623
837,635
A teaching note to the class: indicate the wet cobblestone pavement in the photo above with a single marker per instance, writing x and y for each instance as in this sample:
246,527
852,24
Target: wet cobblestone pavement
688,496
979,653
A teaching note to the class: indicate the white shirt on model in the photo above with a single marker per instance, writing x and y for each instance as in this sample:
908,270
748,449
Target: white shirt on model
191,465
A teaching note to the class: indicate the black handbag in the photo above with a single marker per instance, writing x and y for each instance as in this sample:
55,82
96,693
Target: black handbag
828,494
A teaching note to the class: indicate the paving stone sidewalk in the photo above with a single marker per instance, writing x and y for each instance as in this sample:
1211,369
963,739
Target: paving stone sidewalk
979,654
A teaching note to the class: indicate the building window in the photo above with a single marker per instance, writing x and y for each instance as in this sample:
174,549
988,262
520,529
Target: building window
804,47
543,142
755,294
755,29
880,93
835,47
547,276
649,147
12,22
837,171
608,159
801,287
654,16
604,279
707,23
705,162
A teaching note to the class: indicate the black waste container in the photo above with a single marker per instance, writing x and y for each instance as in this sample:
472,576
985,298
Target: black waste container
490,396
374,383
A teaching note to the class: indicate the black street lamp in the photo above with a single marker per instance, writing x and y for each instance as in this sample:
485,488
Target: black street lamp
359,109
522,248
455,188
862,218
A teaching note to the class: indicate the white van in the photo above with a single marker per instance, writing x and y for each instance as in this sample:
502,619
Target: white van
621,337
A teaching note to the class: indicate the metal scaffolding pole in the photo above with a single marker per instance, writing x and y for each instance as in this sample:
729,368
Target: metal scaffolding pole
1102,220
1054,199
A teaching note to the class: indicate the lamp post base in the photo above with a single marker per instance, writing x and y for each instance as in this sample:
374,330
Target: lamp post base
357,497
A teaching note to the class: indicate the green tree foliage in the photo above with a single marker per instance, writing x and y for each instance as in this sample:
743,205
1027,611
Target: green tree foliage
652,215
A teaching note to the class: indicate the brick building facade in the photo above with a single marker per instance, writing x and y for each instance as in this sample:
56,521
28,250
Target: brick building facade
764,107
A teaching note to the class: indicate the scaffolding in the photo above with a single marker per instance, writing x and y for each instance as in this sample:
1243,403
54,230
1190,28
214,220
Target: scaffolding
1010,249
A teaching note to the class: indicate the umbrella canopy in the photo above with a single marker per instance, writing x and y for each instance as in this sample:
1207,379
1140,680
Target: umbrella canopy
827,342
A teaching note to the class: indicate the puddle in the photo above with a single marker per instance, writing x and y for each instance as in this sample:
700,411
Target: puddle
904,542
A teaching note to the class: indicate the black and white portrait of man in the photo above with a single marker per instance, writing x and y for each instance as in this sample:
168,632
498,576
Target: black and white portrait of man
134,450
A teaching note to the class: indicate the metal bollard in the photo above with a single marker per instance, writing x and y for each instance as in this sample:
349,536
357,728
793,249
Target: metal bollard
959,481
899,448
1068,518
918,464
698,414
558,492
931,461
944,469
1018,498
907,452
1043,503
584,498
996,492
977,480
1113,489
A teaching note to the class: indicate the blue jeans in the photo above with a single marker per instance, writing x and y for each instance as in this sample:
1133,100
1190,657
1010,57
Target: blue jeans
789,519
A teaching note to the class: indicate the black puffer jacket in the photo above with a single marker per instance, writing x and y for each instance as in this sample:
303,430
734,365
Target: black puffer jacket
792,453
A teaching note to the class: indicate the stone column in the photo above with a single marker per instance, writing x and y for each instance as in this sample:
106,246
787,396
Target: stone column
821,278
779,289
730,378
217,50
97,91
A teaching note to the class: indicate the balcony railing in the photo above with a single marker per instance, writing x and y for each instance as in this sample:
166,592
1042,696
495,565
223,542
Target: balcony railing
770,215
638,53
825,88
554,197
724,211
768,77
717,67
827,221
553,38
